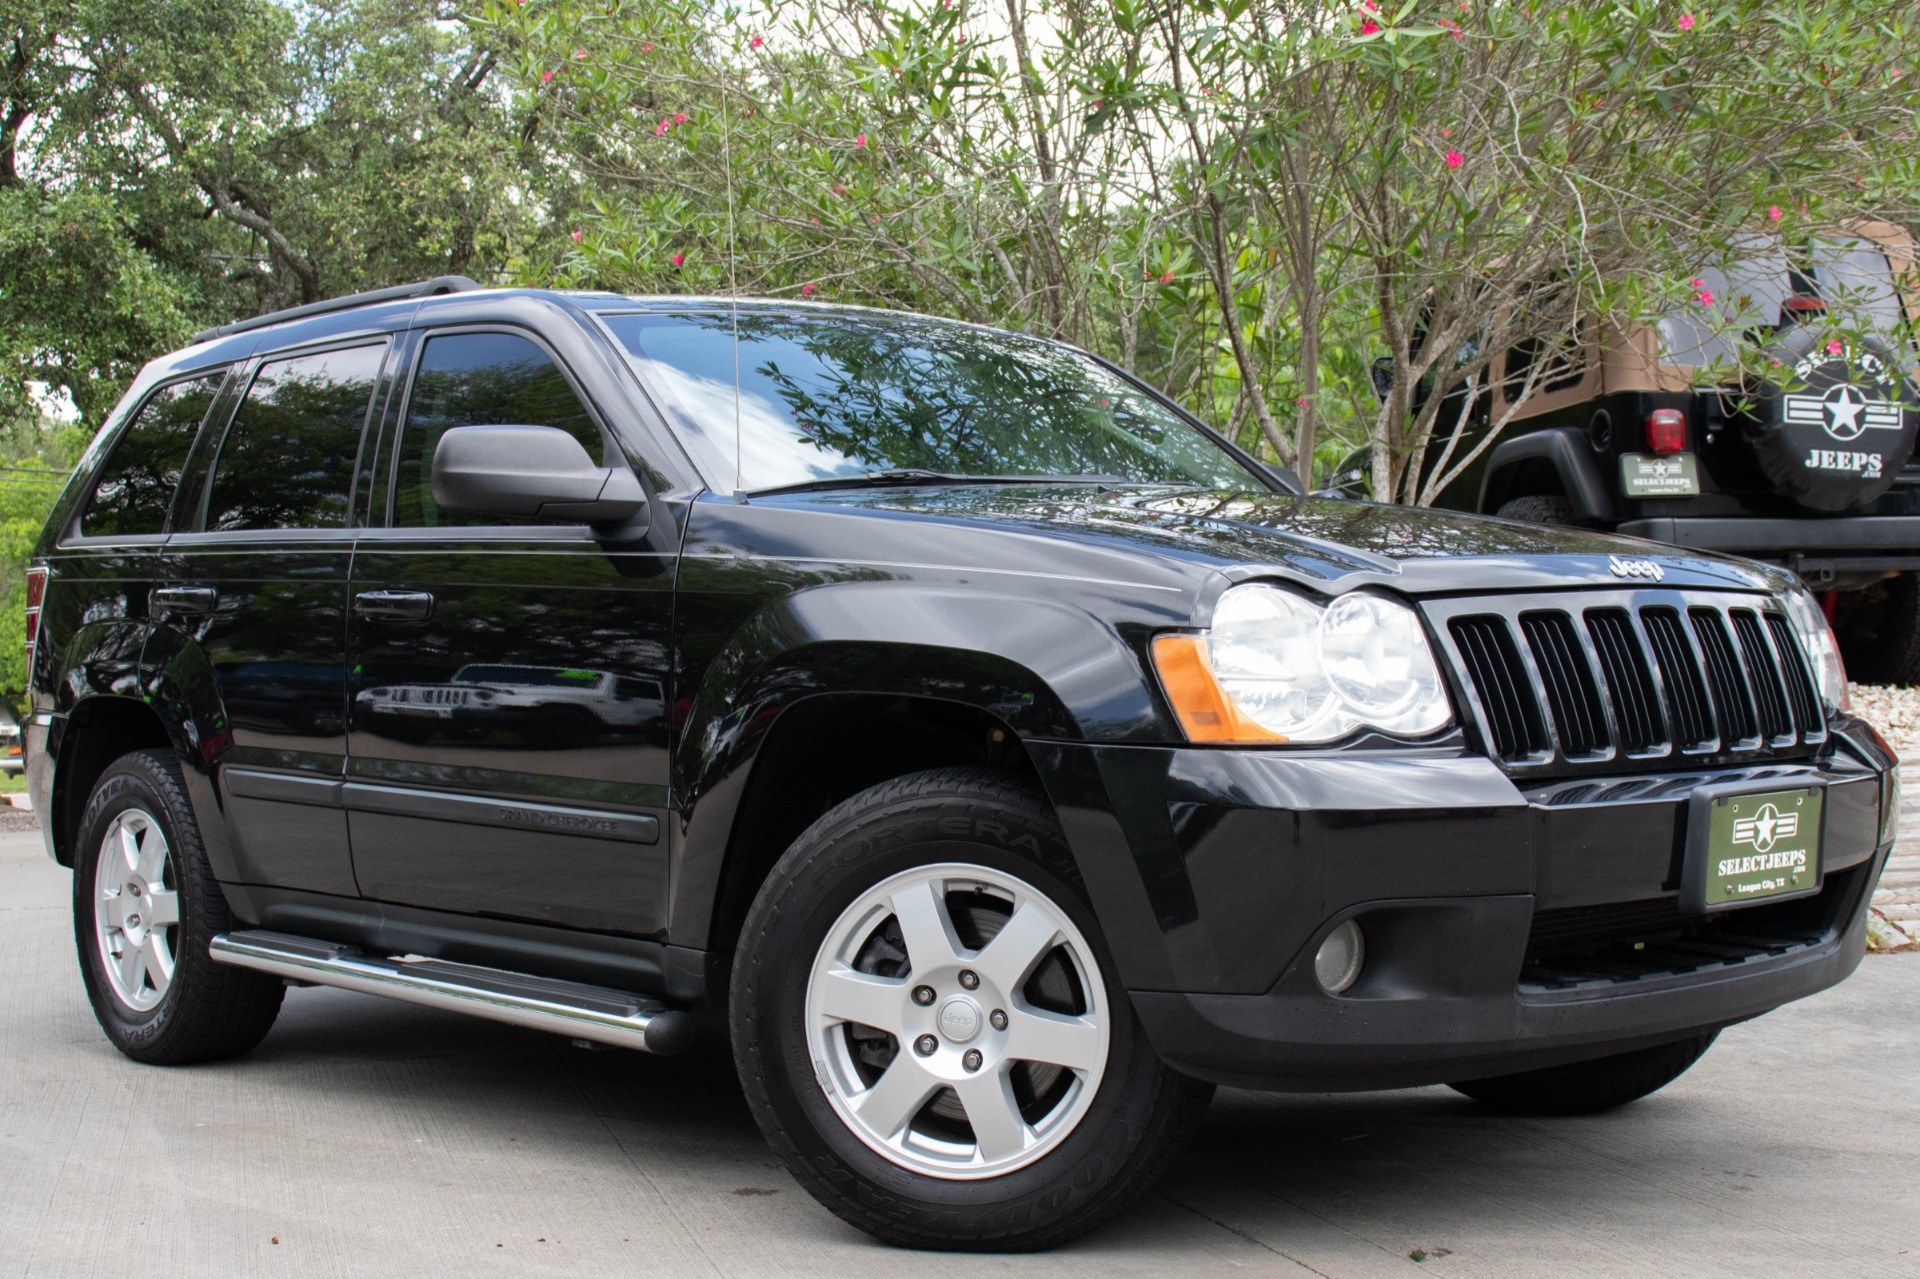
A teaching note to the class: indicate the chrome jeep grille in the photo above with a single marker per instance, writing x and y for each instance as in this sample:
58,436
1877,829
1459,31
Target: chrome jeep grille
1615,679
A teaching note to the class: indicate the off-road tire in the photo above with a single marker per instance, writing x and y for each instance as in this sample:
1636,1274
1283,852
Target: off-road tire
1543,510
1589,1087
1139,1118
1879,631
209,1011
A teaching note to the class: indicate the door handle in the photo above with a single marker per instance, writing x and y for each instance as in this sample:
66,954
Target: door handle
394,606
183,599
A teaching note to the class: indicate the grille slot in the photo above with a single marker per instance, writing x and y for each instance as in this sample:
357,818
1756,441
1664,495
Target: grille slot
1730,697
1793,667
1572,695
1506,693
1763,676
1636,704
1686,691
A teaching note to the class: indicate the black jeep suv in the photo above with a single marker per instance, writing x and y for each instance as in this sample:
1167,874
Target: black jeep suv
1001,757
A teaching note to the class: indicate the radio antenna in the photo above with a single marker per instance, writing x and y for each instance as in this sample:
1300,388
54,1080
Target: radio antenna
733,278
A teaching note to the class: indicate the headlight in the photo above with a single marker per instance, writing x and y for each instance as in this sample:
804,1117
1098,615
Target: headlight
1278,667
1816,635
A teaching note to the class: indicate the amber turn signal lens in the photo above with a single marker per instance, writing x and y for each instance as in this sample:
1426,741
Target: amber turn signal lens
1206,712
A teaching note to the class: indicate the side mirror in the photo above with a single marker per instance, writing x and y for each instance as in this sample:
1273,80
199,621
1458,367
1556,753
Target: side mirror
532,472
1288,477
1381,373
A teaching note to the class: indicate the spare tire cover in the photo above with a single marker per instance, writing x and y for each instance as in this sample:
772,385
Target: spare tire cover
1839,437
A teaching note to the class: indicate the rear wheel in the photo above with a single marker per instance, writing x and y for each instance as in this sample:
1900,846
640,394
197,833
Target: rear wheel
930,1031
1588,1087
1542,509
145,907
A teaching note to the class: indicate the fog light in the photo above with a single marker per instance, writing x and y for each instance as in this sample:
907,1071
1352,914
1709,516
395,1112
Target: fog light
1337,965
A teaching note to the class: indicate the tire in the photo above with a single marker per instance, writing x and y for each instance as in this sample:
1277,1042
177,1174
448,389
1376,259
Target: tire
1879,631
172,1004
1589,1087
965,854
1542,510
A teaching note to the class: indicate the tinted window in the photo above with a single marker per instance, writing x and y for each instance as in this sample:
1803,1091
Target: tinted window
287,460
822,397
137,483
478,379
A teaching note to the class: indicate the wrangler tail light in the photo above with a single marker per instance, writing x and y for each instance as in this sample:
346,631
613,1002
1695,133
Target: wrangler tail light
1667,431
36,591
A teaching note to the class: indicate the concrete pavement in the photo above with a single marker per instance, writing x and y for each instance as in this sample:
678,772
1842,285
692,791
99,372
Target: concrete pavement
373,1139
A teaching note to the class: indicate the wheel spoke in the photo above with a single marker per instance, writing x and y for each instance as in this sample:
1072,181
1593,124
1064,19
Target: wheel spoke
926,928
132,964
892,1103
994,1115
129,845
153,855
1073,1042
157,960
847,995
1018,948
165,909
114,906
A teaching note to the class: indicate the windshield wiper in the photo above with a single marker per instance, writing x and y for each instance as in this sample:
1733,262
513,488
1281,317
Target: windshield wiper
919,477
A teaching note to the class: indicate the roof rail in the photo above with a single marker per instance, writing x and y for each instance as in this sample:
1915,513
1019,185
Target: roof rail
399,292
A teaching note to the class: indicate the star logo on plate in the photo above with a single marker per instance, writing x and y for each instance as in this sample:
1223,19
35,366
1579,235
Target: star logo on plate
1766,827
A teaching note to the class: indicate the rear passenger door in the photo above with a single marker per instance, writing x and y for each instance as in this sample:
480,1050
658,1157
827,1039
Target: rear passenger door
508,745
254,597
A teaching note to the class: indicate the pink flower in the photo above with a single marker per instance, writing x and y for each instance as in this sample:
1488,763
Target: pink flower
1834,347
859,140
815,221
838,189
1696,283
1368,27
545,76
1686,22
1369,6
679,117
1773,213
876,219
579,55
661,128
576,237
1455,159
1302,401
1446,132
806,290
755,43
646,48
677,258
1167,278
1704,297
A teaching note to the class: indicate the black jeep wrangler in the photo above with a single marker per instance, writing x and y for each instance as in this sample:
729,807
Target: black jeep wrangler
1813,468
999,756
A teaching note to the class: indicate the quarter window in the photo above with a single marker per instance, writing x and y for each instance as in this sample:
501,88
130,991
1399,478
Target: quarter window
287,460
479,379
138,481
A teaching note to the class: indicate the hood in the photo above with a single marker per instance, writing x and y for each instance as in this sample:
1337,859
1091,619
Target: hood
1325,542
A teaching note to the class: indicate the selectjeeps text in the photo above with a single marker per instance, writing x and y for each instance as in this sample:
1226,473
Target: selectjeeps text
999,756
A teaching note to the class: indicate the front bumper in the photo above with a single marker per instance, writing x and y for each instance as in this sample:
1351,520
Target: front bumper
1500,920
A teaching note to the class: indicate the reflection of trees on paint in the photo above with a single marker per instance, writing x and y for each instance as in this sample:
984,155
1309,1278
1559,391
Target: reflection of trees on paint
287,460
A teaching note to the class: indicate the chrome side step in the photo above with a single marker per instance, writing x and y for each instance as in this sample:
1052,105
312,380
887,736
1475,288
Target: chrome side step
568,1008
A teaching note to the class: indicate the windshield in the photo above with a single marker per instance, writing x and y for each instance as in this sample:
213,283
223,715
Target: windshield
824,397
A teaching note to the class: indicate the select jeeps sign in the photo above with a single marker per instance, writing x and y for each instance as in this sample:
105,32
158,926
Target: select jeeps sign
1755,847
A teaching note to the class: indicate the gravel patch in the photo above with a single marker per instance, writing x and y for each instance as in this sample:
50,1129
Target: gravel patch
12,818
1894,710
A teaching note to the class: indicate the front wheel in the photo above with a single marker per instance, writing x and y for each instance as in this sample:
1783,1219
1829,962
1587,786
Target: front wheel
930,1031
1589,1087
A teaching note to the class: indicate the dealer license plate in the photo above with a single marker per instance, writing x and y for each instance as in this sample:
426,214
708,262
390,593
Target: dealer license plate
1645,475
1753,847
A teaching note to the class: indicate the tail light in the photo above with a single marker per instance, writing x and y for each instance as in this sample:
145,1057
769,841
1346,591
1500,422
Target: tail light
1667,431
36,591
1803,305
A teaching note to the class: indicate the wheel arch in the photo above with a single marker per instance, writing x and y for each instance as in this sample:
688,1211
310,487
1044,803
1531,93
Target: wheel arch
1554,462
98,730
